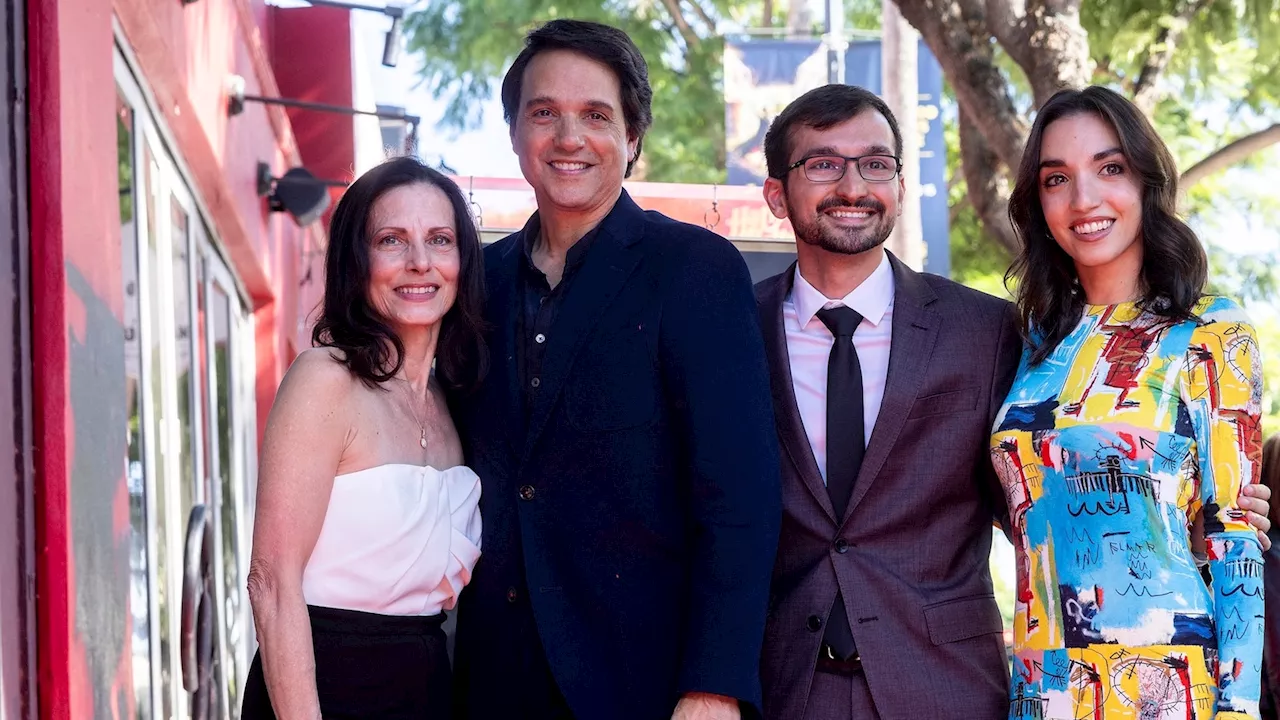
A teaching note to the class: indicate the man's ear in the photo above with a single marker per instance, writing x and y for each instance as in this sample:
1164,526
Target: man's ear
775,196
902,192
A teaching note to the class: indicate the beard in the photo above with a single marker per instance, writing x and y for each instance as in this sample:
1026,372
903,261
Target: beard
812,230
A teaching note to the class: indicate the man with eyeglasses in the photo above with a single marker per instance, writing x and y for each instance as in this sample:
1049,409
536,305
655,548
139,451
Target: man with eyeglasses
885,385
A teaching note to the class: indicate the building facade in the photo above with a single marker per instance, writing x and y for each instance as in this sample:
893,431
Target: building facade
150,302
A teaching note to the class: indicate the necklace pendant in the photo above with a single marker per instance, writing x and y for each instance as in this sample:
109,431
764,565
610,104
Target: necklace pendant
423,440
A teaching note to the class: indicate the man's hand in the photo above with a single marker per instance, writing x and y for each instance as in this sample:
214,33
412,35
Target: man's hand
705,706
1255,498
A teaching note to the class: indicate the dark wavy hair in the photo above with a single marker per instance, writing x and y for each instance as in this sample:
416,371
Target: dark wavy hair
602,43
1174,265
349,323
821,108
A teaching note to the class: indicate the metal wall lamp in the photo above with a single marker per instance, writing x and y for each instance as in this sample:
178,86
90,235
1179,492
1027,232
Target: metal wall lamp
298,192
236,98
391,46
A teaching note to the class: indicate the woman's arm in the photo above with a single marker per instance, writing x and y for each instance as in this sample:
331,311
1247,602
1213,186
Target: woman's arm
307,432
1221,385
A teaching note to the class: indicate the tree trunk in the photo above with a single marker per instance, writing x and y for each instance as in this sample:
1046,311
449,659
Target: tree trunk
988,188
957,34
900,88
1047,41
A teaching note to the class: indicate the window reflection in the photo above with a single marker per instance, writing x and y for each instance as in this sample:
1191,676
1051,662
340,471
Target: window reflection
139,584
220,327
165,592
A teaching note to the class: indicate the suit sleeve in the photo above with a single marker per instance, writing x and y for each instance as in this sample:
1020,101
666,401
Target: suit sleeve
1008,355
1271,643
1221,384
717,382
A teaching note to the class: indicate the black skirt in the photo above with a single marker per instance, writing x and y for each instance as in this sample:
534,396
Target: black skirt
369,666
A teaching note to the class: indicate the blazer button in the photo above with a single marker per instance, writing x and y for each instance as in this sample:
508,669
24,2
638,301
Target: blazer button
527,492
842,545
512,595
815,623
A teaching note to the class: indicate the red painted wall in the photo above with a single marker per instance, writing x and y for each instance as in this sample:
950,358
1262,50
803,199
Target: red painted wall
184,54
76,289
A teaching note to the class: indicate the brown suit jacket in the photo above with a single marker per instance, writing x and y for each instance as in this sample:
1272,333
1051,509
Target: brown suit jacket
911,553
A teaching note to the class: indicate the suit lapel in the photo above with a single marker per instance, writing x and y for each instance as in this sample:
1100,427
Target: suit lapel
915,329
602,276
504,299
769,298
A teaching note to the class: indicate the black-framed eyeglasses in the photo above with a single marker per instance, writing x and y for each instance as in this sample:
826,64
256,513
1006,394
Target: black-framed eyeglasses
831,168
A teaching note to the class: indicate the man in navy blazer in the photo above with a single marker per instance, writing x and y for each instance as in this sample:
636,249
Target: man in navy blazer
624,437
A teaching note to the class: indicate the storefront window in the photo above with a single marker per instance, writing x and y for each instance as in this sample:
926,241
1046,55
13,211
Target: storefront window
186,382
135,473
166,594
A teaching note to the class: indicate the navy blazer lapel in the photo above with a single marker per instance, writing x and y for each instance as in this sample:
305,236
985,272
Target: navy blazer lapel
504,301
770,295
915,329
603,274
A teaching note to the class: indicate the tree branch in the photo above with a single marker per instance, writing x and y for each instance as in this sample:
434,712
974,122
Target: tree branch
691,39
1008,22
1228,155
1057,48
957,33
711,24
988,191
1145,94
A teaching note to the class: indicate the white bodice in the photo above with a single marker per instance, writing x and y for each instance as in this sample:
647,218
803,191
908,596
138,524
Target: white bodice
397,540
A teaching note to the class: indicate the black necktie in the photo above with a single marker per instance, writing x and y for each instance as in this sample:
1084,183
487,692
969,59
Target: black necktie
845,444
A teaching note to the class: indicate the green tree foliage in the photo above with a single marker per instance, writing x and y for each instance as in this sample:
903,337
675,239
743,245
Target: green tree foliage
466,46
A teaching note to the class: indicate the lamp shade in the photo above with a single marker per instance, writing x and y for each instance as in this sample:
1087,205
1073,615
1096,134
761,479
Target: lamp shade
391,46
303,195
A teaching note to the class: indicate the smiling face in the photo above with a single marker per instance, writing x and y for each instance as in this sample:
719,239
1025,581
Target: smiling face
414,260
570,134
1092,199
849,216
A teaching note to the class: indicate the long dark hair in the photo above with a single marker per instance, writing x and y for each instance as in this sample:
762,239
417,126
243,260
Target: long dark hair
1174,265
374,353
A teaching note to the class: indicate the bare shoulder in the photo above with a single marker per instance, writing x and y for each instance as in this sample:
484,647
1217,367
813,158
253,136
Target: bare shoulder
318,375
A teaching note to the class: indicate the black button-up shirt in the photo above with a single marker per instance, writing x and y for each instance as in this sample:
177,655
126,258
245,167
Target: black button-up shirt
540,304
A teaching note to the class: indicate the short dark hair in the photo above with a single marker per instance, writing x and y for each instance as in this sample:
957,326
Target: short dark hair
349,323
602,43
1174,264
821,108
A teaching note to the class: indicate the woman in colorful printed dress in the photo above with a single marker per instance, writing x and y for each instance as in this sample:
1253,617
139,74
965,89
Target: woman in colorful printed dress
1135,410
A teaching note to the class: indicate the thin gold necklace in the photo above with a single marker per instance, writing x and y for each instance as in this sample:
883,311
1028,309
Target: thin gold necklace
422,437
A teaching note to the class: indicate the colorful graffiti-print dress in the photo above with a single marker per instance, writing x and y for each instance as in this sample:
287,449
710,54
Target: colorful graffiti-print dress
1107,450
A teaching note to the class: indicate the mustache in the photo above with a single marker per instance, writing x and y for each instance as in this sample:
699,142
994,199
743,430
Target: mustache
866,203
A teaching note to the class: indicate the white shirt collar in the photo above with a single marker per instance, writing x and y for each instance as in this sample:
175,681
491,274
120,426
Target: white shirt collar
871,299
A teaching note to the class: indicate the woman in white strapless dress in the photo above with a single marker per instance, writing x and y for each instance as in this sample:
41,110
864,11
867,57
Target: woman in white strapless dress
367,525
